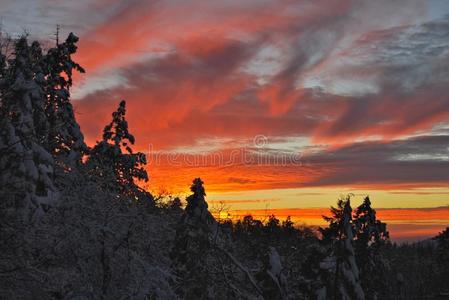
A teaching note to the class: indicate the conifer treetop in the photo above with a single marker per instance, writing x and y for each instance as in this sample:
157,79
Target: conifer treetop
117,131
196,203
113,156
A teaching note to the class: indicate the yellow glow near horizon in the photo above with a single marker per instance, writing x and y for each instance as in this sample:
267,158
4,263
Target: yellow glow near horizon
325,197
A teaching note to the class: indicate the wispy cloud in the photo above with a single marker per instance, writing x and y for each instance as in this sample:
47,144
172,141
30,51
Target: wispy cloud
364,83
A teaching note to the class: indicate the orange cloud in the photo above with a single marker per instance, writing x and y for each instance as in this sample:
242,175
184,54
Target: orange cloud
186,80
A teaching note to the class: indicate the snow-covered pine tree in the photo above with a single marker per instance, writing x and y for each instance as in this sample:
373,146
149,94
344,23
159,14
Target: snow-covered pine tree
317,270
27,168
271,278
340,235
192,247
66,141
42,126
114,160
197,207
370,235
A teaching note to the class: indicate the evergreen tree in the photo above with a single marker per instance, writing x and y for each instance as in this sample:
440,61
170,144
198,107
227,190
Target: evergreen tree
197,207
27,168
193,245
41,123
65,138
340,235
370,235
271,278
113,159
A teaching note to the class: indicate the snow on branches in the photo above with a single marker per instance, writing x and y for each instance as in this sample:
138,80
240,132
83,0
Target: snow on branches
113,157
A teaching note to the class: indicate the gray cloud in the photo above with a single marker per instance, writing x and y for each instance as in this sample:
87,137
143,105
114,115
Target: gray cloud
417,160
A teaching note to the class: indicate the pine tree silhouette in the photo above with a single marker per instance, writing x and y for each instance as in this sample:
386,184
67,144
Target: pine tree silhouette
66,140
113,157
193,245
340,235
370,235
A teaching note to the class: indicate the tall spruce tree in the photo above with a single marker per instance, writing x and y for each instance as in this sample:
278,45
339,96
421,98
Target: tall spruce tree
340,235
66,141
113,159
193,245
370,235
27,168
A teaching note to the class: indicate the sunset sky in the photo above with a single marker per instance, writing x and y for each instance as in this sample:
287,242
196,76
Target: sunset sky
278,106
